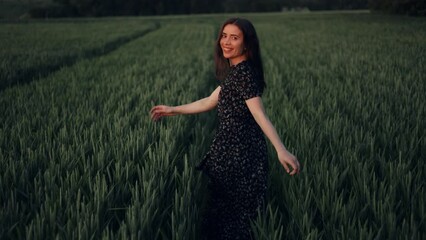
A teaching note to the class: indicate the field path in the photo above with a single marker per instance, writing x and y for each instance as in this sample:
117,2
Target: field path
67,52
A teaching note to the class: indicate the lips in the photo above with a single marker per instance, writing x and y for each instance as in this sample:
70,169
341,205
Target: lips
227,51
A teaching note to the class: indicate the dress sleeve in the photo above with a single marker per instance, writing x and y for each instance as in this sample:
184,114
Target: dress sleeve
248,86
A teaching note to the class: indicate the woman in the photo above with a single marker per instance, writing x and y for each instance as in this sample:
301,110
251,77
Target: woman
236,163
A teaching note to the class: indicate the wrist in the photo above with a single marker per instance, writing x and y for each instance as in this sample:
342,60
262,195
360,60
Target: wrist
281,149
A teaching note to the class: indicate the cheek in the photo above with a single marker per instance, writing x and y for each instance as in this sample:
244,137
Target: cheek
240,46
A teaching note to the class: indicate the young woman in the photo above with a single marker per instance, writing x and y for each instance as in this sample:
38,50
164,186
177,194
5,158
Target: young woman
236,163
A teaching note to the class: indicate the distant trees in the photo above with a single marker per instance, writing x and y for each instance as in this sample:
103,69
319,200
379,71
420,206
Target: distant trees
94,8
140,7
161,7
410,7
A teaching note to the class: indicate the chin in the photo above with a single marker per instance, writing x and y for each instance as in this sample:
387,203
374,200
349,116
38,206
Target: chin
227,56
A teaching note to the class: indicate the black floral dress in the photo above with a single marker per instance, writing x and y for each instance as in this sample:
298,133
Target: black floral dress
236,163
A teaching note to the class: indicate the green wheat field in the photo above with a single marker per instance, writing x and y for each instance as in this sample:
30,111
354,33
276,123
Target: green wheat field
81,159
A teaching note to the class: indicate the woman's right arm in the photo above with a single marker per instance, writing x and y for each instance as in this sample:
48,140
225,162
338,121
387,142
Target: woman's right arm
199,106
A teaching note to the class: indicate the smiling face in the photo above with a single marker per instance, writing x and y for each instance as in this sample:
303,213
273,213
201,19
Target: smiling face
232,44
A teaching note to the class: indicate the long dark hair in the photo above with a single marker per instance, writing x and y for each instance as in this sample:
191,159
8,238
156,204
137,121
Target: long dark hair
252,50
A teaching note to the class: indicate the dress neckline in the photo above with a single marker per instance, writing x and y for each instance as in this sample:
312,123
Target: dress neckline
238,64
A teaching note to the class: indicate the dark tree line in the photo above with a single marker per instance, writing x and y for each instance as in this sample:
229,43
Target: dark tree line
410,7
95,8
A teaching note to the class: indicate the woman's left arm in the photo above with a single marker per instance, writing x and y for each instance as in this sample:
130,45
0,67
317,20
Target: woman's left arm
256,108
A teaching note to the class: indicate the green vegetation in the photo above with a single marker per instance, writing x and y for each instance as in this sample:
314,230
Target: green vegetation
81,158
34,49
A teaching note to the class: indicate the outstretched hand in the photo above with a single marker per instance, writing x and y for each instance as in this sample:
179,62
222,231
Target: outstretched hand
160,111
286,158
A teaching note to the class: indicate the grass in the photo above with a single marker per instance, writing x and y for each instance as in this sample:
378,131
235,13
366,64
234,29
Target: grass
81,158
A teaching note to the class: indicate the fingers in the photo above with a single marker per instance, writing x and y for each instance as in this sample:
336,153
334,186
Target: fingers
156,109
295,165
287,169
293,172
160,111
159,115
156,112
155,115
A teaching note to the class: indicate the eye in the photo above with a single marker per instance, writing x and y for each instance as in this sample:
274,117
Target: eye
234,38
223,35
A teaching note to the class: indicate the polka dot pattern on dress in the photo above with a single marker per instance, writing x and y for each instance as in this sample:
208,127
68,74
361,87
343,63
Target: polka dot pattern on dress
236,163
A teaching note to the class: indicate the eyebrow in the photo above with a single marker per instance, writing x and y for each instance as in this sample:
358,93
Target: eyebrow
232,34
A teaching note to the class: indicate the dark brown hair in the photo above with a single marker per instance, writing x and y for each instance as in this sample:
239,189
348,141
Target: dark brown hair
251,46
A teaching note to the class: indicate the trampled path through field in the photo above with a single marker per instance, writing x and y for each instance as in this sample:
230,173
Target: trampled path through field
38,72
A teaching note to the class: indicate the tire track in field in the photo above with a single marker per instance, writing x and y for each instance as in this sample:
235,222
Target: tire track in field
34,74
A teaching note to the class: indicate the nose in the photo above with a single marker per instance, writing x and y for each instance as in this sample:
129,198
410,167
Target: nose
227,41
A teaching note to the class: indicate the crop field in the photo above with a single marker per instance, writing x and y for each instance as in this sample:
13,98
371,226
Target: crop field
81,159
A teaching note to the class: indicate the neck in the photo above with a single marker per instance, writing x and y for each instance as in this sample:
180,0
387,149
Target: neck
235,61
